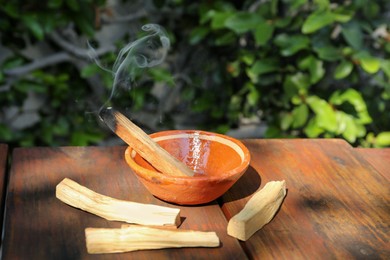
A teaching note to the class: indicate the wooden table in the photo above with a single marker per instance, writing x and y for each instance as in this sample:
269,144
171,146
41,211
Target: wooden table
3,177
337,204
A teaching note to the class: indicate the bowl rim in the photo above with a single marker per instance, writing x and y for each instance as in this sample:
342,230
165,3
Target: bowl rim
155,175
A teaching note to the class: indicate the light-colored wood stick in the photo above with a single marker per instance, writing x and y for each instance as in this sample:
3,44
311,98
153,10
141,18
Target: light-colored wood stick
258,211
73,194
143,144
132,238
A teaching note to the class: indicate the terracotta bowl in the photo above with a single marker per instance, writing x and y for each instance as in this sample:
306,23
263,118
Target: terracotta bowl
217,160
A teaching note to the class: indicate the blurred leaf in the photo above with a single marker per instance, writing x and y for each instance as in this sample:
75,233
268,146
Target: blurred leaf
295,4
383,139
322,4
24,86
343,69
248,58
272,132
84,139
282,22
385,66
314,66
202,103
11,9
299,81
225,39
371,10
296,99
347,126
253,95
347,51
317,71
85,25
218,20
61,128
5,133
54,3
291,44
286,120
242,22
90,70
343,15
263,33
139,96
206,15
317,20
234,68
356,100
352,34
160,74
312,129
261,67
198,34
28,140
188,93
73,4
222,129
328,53
369,63
300,115
326,116
12,63
31,22
51,22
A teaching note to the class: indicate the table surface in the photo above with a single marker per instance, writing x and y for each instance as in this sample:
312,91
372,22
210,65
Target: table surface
3,178
337,203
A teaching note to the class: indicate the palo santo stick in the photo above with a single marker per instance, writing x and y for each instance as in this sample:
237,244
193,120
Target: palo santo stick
109,208
258,211
143,144
132,238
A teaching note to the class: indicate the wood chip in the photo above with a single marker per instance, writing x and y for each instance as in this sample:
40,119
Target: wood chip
258,211
132,238
73,194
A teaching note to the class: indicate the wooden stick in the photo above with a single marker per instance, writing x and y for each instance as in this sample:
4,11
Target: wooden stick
132,238
258,211
109,208
143,144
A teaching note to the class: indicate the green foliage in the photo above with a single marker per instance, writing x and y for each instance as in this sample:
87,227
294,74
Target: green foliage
306,68
62,116
40,18
315,69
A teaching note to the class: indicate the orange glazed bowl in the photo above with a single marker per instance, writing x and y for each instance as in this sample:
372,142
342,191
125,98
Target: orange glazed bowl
217,160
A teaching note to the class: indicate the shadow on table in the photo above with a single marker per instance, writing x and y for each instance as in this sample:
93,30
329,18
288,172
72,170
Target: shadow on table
244,187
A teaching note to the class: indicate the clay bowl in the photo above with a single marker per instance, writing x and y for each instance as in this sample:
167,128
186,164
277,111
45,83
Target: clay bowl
217,160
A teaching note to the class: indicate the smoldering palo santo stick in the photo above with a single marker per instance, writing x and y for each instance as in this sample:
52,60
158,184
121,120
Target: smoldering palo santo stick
78,196
258,211
132,238
136,138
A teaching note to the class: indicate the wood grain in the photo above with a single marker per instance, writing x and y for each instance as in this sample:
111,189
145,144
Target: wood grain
39,226
378,158
337,204
3,178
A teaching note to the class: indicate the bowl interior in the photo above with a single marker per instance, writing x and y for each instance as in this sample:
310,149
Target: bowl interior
207,154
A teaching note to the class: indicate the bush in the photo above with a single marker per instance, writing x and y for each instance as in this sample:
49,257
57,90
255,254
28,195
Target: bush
306,68
309,69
